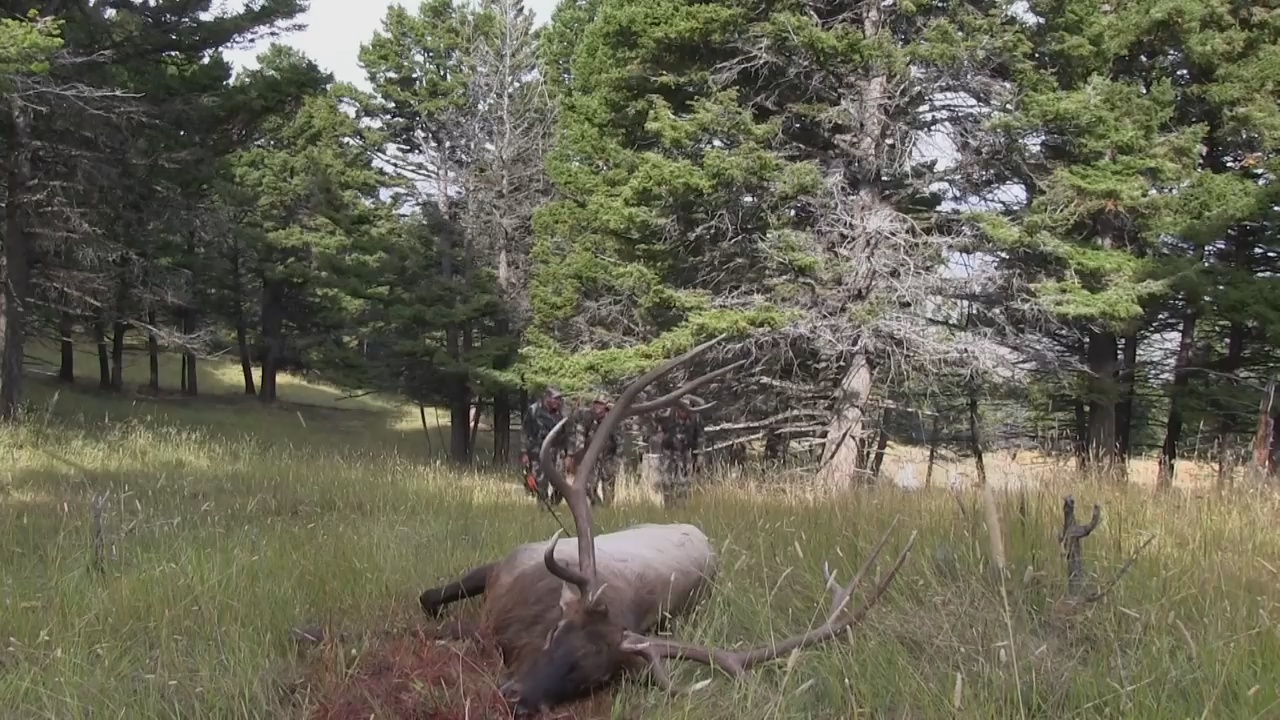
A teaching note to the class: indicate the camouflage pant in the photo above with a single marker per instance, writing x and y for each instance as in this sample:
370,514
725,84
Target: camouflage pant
674,470
603,481
544,488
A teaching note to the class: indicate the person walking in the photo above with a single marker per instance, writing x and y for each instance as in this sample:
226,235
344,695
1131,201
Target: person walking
681,434
539,419
585,421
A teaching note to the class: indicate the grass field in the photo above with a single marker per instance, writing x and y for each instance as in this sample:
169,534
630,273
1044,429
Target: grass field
228,524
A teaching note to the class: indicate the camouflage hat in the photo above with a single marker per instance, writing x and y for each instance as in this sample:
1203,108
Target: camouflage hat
554,392
602,399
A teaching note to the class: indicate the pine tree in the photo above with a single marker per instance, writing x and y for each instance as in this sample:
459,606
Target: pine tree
735,167
305,182
1125,163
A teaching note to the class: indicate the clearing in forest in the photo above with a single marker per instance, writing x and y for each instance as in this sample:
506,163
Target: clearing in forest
230,528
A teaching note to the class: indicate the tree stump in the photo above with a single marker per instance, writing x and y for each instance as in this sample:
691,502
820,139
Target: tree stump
650,473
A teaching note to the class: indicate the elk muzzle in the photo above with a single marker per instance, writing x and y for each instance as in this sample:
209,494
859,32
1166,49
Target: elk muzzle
576,661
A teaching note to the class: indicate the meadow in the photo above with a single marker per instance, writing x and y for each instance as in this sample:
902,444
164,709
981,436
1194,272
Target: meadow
228,525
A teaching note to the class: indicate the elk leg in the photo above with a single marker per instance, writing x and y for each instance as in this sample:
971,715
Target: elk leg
470,585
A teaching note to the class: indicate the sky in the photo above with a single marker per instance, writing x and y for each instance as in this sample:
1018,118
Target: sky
335,32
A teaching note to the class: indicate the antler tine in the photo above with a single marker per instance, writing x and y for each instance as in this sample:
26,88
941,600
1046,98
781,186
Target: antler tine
829,581
700,406
662,675
568,575
737,663
584,576
678,394
623,406
840,595
575,494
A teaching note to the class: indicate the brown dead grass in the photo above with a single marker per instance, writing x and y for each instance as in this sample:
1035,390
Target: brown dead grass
421,673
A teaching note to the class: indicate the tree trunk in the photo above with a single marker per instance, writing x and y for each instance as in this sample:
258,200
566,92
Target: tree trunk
246,360
1261,466
1081,444
502,427
272,338
475,423
460,394
242,325
460,423
934,429
1222,403
975,437
1181,378
117,355
153,354
66,327
191,369
1102,405
104,358
774,446
840,455
17,270
877,461
1129,392
859,174
1274,459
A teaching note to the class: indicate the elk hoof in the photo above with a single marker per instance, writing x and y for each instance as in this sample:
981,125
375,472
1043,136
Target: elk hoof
430,607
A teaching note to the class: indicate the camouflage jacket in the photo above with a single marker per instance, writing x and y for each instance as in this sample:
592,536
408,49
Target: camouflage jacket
537,425
582,427
681,436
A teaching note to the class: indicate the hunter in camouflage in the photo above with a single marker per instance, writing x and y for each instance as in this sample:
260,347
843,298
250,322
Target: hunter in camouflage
582,428
539,419
680,431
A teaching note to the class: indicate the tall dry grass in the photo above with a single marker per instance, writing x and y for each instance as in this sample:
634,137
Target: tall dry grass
227,524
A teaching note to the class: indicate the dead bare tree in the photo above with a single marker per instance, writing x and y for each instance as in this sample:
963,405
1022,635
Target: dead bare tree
510,118
881,295
1071,537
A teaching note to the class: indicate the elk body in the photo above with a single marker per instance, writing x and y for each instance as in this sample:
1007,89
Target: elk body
568,619
554,645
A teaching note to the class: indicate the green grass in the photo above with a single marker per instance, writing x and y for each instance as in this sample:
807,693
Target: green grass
232,523
368,424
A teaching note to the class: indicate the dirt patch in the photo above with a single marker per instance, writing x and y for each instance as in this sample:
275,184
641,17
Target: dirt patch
418,674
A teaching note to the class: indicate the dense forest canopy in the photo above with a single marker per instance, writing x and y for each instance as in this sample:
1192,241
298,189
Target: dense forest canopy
1040,219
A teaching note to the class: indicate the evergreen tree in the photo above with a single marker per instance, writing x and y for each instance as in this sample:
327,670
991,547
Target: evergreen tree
306,182
111,99
1127,183
734,167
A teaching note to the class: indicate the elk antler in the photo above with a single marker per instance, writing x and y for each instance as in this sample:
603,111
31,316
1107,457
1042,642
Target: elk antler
737,663
697,405
702,405
576,494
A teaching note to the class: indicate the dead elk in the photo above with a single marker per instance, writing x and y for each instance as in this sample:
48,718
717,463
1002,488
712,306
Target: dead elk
568,620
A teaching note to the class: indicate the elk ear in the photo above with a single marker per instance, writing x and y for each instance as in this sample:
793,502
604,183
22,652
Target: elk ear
569,596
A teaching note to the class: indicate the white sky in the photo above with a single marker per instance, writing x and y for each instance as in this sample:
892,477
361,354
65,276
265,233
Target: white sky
335,30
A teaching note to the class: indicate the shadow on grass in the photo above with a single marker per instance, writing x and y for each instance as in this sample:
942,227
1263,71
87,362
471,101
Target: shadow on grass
363,429
216,376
